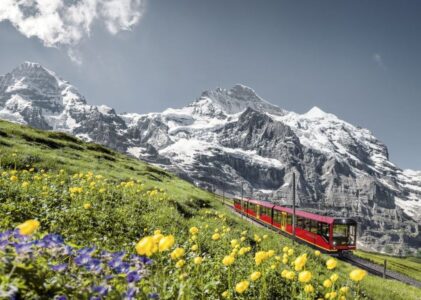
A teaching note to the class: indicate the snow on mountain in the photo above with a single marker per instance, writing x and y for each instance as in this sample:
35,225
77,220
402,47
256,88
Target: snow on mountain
232,138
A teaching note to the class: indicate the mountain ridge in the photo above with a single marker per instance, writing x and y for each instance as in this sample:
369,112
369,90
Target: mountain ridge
228,138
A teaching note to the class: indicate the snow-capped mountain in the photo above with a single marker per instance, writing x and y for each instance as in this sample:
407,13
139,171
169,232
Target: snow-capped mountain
229,138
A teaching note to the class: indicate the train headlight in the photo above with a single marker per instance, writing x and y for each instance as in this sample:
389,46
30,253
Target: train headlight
334,243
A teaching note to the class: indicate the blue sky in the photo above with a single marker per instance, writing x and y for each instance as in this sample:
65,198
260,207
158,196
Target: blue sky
357,59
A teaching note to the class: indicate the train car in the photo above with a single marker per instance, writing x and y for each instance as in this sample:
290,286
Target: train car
327,233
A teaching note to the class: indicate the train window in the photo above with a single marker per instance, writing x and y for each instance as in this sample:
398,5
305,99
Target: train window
277,216
300,222
343,234
289,219
323,230
313,226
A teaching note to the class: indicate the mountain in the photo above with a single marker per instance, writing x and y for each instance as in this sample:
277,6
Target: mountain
231,138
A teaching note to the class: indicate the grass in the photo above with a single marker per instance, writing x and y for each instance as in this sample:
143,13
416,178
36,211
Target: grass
57,175
409,266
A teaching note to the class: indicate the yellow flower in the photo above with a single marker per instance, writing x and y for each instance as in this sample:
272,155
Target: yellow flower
284,273
13,178
317,253
333,295
146,246
28,227
271,253
342,298
194,248
265,236
87,205
290,275
228,260
244,232
255,276
216,236
344,290
331,264
194,237
166,243
157,237
242,251
242,286
357,275
25,184
260,257
308,289
225,294
304,276
327,283
299,262
243,238
194,230
177,253
290,252
158,231
234,243
285,260
198,260
180,263
334,277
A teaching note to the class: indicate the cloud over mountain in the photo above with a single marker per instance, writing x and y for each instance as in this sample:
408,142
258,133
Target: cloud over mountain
66,22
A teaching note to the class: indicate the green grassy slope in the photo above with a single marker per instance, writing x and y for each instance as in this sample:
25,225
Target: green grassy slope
409,266
129,199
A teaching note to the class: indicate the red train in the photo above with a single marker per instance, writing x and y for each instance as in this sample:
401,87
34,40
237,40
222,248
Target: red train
327,233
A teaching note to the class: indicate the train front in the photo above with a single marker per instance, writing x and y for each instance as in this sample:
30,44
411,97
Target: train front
344,234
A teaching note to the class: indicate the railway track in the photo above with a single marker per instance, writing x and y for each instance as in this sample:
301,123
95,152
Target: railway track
348,257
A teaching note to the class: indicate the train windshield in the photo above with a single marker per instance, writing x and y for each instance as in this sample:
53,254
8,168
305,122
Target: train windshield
344,234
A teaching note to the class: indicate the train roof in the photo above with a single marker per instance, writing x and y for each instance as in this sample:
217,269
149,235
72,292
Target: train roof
300,213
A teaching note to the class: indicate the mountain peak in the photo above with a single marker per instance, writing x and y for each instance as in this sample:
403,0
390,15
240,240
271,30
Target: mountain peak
237,99
31,64
243,92
317,113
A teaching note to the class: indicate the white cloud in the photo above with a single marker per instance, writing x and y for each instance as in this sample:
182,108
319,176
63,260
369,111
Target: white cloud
379,60
66,22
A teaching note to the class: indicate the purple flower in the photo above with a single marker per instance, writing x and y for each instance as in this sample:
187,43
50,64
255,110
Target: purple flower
100,290
145,260
109,277
94,265
23,248
105,254
6,235
60,297
3,244
133,276
115,263
87,251
123,268
130,293
118,255
82,259
153,296
67,250
59,267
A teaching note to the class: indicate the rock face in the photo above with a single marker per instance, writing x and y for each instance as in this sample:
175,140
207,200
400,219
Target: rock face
227,139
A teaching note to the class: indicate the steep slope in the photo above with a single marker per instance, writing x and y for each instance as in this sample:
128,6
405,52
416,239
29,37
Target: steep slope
233,141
